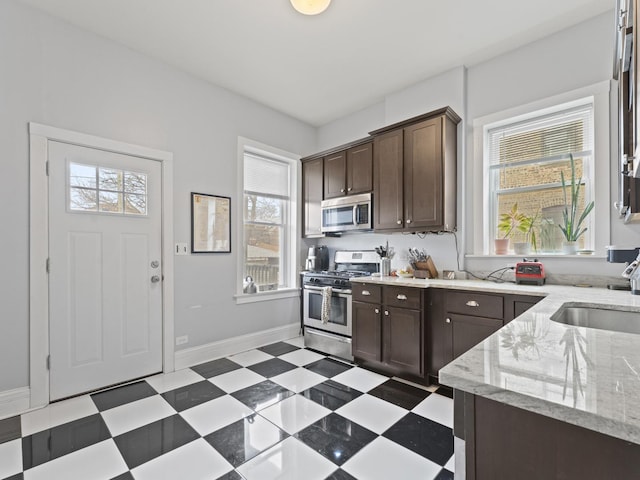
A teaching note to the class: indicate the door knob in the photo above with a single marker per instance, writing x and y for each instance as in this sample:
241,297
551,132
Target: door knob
399,222
376,310
155,279
155,264
447,320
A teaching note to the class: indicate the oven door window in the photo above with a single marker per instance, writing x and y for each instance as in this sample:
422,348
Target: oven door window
338,308
337,216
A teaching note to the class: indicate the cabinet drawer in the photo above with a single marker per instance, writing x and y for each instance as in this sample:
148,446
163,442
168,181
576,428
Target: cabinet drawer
477,304
402,297
366,292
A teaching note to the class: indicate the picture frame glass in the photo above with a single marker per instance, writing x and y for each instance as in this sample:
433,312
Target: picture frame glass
210,223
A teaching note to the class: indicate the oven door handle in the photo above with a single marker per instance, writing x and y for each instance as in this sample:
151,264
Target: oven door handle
339,291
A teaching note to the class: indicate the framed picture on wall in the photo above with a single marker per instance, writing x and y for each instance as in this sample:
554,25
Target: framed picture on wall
210,223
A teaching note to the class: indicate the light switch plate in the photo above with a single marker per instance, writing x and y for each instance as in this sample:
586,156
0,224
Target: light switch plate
181,249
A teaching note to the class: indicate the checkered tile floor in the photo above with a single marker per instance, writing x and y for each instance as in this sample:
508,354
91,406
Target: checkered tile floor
280,411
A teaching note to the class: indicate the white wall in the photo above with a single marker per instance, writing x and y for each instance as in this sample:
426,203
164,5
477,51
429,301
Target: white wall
577,57
56,74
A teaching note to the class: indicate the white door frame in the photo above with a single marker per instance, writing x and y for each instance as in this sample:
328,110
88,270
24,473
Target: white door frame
39,137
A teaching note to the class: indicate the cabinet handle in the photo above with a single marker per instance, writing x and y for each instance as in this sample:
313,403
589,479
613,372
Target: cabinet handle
386,312
401,296
447,320
349,189
377,310
366,293
472,303
342,190
408,220
399,222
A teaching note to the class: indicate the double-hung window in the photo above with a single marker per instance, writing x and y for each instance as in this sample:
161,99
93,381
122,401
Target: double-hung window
524,158
268,237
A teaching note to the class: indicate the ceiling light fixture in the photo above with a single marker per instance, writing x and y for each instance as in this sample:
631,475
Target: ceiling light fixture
310,7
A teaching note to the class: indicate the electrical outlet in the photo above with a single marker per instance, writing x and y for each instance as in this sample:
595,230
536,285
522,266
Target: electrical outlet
182,340
181,249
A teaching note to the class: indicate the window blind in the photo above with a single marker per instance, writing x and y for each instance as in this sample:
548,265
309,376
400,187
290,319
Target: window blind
266,176
543,139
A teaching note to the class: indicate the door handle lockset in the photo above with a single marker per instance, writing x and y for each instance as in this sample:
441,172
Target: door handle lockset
155,279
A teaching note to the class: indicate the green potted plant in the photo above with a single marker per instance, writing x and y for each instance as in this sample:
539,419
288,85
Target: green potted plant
571,226
527,226
508,223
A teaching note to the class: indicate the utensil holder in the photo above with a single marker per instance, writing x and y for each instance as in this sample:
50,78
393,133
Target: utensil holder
385,267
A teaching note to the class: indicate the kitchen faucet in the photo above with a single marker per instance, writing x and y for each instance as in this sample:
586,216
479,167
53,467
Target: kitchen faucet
632,272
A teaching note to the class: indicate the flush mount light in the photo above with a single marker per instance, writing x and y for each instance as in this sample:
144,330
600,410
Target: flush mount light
310,7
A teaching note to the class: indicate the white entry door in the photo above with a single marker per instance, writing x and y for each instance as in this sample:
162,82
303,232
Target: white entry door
105,280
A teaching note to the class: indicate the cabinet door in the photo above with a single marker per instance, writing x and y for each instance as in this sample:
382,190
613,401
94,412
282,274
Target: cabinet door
312,197
402,331
423,174
367,331
360,169
439,349
469,331
388,181
335,170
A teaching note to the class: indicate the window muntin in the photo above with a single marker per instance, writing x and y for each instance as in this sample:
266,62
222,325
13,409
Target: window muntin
267,221
106,190
525,158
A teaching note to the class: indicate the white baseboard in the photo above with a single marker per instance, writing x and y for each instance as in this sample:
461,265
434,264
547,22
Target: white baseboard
14,402
205,353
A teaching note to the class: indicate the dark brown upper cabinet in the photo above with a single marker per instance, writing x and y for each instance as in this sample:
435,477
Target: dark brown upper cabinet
312,175
414,171
349,172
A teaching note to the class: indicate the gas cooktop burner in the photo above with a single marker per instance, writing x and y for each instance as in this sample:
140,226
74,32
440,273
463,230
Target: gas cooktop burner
344,274
332,278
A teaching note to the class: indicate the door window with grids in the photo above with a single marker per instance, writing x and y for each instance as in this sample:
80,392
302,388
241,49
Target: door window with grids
525,158
92,188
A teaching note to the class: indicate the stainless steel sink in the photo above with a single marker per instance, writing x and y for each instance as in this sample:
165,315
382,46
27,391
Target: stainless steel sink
603,317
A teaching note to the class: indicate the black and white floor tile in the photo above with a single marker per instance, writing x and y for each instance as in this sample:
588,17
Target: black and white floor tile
277,412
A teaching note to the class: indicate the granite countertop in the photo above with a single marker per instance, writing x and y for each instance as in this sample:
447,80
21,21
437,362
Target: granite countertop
583,376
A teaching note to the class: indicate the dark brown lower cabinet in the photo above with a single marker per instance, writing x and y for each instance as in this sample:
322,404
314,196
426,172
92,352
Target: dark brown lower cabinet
403,340
469,331
459,319
505,442
388,330
367,341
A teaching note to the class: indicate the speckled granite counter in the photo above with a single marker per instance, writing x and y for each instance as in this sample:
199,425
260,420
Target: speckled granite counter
583,376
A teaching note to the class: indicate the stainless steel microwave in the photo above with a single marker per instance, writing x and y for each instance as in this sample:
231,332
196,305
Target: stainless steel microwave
347,213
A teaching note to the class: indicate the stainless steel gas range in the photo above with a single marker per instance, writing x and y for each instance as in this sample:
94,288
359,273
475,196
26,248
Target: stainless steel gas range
327,314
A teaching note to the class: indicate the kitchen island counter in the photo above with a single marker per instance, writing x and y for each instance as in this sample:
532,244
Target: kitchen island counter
583,376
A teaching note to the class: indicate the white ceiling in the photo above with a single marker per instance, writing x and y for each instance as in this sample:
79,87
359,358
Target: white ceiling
320,68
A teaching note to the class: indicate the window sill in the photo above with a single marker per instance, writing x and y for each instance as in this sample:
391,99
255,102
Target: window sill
243,298
537,255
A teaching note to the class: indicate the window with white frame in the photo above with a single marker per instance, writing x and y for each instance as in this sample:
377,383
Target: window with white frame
268,236
526,160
